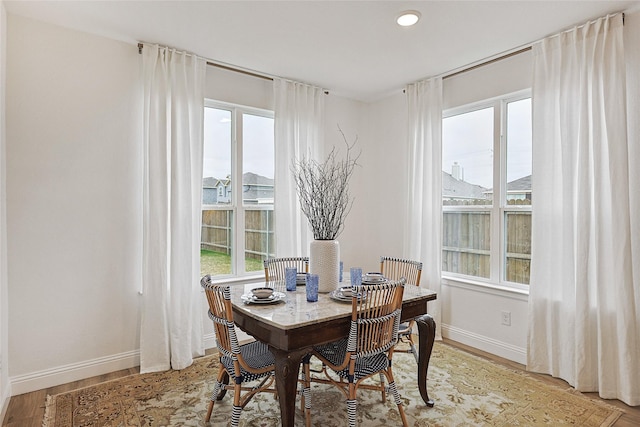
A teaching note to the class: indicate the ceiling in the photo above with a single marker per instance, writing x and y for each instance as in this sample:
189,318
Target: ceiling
352,48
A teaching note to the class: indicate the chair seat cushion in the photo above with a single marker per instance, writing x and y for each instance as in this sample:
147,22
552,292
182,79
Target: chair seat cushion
335,353
257,355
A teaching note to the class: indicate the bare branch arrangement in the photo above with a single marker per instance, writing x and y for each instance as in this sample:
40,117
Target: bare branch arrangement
323,189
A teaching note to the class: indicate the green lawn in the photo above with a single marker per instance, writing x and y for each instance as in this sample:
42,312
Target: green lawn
216,263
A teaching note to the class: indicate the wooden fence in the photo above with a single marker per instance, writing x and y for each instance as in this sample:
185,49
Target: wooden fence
466,242
259,240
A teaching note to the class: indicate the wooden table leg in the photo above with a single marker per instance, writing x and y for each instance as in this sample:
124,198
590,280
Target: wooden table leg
287,369
427,335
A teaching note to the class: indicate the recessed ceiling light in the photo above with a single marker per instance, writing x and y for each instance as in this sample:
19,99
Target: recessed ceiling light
408,18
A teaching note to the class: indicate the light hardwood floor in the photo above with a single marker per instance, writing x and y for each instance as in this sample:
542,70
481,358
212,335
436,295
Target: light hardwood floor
27,410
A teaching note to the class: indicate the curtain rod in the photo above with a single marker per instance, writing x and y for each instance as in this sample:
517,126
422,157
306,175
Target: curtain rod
488,62
482,64
225,67
517,51
232,68
238,70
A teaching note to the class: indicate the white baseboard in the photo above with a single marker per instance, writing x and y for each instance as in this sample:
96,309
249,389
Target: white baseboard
490,345
209,341
73,372
87,369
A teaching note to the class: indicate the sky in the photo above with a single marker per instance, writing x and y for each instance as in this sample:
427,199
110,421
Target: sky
258,153
468,140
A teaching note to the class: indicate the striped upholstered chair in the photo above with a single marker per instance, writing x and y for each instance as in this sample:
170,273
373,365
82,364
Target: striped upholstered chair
247,363
395,269
368,349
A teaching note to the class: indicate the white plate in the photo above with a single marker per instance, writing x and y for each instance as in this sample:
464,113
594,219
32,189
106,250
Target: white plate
373,277
373,281
252,299
338,296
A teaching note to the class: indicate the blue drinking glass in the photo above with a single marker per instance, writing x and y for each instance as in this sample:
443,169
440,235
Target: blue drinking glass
312,287
356,276
290,274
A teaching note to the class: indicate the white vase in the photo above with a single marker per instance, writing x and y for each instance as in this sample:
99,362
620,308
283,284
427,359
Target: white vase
324,260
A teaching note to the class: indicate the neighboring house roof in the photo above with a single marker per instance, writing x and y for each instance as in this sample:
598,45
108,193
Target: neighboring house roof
250,178
455,188
256,188
209,182
520,185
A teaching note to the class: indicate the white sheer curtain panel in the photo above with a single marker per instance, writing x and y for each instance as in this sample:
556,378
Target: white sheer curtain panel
171,331
423,225
583,311
299,125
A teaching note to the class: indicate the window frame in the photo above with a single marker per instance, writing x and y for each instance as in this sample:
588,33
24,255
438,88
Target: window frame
499,208
237,205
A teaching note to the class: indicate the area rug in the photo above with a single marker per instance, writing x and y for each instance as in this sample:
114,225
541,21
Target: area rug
467,390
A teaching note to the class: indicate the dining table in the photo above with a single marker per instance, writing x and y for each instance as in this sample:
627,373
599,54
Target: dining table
290,325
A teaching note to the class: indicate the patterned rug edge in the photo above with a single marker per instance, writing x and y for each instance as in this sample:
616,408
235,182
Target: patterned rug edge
49,410
534,376
617,412
49,417
608,422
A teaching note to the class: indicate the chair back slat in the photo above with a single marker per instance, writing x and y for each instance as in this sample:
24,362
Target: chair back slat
274,268
376,317
221,313
397,268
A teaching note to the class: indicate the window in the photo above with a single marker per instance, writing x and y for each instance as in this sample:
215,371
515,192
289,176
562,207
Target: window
237,220
486,191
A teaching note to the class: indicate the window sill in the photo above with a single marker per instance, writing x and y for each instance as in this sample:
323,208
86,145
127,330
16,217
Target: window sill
486,287
235,280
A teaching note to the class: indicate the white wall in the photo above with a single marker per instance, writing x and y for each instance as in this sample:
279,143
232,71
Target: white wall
73,204
5,388
373,227
348,114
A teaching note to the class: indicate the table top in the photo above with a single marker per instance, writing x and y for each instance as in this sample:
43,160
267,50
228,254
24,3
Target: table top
295,311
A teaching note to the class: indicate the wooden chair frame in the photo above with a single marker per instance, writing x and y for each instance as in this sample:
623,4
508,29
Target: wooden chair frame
411,271
241,363
252,362
274,268
375,321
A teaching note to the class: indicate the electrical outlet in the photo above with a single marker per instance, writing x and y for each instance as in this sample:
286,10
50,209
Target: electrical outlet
506,318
